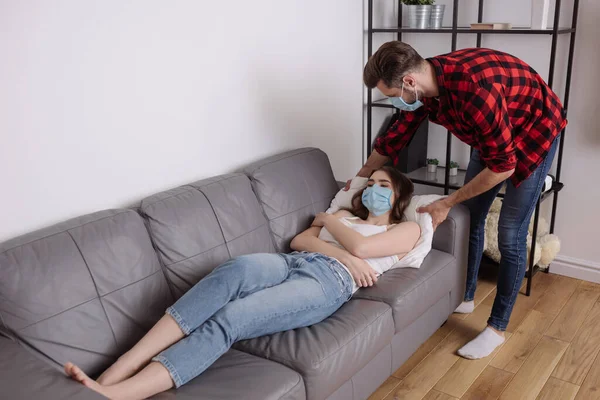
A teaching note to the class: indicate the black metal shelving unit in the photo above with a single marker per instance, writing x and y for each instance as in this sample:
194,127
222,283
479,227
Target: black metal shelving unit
454,183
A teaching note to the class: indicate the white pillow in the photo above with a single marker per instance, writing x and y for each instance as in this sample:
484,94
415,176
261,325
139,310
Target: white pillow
414,259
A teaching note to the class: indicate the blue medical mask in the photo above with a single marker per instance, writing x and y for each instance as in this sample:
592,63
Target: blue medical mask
399,102
377,199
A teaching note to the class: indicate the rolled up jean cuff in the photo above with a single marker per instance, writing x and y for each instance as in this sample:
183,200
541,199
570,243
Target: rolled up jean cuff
179,319
497,323
172,371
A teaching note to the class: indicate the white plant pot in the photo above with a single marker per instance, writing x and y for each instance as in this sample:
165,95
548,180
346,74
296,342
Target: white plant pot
453,171
437,16
431,168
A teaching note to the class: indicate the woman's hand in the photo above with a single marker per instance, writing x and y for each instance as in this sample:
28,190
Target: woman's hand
320,219
361,271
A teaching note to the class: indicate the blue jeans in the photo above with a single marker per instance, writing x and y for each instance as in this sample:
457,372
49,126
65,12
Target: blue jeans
250,296
513,225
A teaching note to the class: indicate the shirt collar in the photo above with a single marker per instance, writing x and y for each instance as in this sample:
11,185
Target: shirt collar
439,74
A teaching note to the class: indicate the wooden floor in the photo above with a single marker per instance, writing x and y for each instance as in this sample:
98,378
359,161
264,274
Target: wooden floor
551,351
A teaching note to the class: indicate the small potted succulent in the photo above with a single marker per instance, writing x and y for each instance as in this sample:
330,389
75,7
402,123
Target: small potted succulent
419,13
453,168
432,164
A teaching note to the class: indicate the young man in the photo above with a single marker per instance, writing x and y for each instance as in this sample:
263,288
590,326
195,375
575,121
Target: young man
501,107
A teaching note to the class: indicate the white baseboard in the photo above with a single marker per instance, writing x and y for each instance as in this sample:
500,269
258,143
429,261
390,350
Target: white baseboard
575,268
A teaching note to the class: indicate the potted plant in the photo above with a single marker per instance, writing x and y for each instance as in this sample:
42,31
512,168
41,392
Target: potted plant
453,168
419,13
432,164
437,16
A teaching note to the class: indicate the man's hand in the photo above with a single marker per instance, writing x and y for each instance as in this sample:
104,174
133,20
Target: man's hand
361,271
364,172
438,210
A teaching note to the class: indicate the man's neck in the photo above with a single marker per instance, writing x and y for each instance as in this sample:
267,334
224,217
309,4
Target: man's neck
428,81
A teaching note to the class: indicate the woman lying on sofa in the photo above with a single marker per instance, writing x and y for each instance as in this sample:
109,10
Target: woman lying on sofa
260,294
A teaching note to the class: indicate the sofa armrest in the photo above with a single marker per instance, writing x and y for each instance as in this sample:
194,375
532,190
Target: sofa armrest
452,236
24,376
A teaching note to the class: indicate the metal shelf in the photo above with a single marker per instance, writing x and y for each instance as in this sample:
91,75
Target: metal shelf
446,30
447,182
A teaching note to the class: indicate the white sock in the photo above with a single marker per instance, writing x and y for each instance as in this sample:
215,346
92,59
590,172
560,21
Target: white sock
482,346
466,307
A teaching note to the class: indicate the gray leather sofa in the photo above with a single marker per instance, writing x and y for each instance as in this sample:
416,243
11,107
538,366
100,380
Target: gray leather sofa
87,289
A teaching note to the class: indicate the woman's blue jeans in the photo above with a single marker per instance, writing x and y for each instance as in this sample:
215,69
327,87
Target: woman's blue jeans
517,207
250,296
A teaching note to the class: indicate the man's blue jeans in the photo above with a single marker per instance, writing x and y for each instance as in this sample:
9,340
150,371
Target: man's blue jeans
513,225
251,296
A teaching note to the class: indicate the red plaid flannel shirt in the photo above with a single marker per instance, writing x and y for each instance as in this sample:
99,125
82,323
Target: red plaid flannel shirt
492,101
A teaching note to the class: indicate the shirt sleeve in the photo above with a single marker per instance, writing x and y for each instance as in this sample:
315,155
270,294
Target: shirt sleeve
400,133
486,113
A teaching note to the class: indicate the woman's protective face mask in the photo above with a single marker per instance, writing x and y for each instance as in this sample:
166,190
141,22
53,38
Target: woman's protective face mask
399,102
377,199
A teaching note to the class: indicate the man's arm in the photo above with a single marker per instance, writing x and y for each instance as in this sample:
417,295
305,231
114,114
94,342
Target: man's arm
388,146
484,181
487,114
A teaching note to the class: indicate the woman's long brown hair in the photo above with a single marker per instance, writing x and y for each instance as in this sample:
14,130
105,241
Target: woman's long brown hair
403,190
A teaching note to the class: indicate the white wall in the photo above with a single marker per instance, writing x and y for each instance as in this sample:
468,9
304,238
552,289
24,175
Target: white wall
579,211
104,102
578,215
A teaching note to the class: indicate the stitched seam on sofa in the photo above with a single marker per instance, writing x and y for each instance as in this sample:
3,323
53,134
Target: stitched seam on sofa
56,315
217,218
312,202
159,257
315,364
96,287
68,229
132,283
388,310
293,388
453,236
296,153
212,248
187,187
428,278
4,331
247,233
190,188
411,290
264,214
195,255
301,208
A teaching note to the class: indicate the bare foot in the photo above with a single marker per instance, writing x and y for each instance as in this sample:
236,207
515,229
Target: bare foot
77,374
118,372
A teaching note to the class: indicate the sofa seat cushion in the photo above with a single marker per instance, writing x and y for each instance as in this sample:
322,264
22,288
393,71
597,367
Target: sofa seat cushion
410,291
329,353
237,375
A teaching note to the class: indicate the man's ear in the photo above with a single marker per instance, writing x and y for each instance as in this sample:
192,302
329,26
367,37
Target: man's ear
409,81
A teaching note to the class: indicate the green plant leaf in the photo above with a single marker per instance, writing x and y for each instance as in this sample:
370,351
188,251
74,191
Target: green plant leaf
418,2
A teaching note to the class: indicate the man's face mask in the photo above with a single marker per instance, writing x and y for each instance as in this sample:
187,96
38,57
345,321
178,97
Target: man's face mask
399,102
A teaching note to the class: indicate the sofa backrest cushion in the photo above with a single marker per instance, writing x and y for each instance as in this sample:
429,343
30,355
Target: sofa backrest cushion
292,187
197,227
84,290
